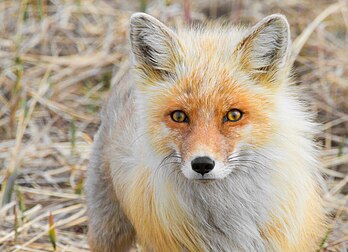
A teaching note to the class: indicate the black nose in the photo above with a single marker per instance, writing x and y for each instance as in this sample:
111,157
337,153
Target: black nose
202,165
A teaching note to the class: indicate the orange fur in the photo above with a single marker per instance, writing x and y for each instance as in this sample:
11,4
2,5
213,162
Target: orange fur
209,129
293,233
153,234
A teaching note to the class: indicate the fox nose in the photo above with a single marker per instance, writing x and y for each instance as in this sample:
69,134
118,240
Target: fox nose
202,165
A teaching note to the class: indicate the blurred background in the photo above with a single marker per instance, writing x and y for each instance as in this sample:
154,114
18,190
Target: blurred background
60,58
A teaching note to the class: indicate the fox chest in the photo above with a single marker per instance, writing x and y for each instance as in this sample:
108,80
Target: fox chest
160,224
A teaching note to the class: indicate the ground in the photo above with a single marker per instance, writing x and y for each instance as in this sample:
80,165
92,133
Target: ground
58,61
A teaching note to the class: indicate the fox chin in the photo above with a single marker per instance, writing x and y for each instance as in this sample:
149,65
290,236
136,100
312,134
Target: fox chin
204,145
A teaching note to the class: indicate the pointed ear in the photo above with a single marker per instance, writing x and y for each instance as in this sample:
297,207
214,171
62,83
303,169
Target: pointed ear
264,50
155,47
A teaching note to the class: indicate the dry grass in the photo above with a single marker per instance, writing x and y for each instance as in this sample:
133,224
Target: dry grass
59,59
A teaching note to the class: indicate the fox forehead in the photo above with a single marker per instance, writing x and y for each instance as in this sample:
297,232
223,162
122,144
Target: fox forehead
212,43
213,91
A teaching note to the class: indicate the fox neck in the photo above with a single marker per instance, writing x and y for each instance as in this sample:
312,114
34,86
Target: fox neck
228,213
224,214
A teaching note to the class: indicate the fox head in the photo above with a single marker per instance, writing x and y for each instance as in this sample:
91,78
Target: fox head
208,96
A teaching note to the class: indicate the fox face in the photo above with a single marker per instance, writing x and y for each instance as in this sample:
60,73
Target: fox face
207,99
208,127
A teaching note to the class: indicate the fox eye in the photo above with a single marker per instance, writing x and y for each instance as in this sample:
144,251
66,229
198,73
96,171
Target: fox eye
233,115
179,116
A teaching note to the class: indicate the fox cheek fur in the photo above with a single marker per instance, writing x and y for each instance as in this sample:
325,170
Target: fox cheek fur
147,178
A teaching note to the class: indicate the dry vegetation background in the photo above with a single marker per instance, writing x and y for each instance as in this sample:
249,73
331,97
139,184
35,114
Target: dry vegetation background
58,61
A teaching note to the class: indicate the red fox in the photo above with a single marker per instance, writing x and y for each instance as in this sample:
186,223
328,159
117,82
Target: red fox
205,146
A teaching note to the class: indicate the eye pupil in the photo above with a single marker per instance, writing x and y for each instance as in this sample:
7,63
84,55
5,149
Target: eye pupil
234,115
179,116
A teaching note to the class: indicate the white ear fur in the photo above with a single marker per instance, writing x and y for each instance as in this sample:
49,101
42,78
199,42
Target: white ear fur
154,45
265,49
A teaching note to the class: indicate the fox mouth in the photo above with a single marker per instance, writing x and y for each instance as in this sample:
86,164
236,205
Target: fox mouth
204,180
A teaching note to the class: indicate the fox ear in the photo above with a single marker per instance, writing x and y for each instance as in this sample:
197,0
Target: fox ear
264,50
155,47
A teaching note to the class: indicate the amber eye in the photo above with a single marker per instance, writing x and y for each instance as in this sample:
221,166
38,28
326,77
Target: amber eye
233,115
179,116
